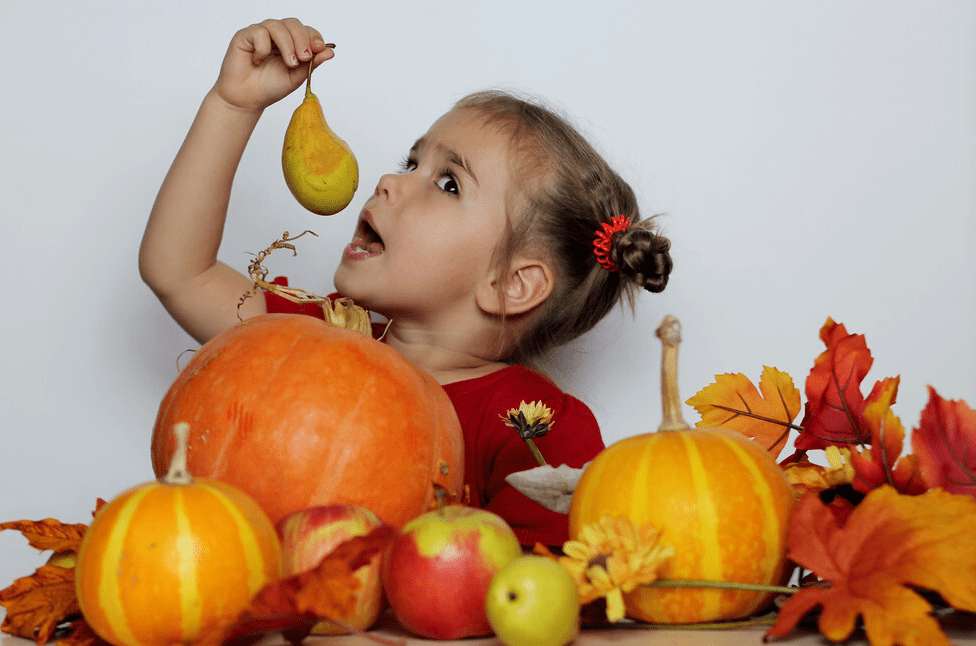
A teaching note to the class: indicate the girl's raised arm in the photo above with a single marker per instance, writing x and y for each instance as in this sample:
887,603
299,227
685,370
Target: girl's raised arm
178,256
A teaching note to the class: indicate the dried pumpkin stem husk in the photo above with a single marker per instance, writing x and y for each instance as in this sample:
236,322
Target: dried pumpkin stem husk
339,312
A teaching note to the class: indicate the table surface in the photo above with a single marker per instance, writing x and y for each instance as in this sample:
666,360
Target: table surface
388,628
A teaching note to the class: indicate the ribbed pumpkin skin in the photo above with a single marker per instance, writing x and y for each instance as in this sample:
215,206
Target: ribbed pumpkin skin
165,564
298,413
715,495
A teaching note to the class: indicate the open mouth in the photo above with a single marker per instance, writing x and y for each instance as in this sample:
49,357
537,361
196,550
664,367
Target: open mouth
367,240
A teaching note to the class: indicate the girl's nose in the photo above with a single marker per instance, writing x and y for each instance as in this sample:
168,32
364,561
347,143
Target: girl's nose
389,187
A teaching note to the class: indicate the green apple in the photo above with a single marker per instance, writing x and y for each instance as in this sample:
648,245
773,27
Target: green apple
533,601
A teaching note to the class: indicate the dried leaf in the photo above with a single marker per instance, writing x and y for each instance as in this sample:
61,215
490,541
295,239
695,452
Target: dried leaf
765,415
890,542
49,534
945,445
883,462
343,313
339,312
293,605
550,487
81,635
36,604
835,404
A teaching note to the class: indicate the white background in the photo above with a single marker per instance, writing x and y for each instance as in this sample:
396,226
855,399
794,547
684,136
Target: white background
814,159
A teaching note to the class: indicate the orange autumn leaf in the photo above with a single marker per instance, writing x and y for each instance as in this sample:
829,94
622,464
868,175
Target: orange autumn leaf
945,445
883,463
293,605
889,543
763,414
36,604
833,388
49,534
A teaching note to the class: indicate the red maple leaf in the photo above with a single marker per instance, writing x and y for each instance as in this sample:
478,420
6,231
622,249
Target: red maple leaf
835,405
884,463
945,445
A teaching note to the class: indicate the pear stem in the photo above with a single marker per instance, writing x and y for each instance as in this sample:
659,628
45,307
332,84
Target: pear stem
308,81
670,334
178,473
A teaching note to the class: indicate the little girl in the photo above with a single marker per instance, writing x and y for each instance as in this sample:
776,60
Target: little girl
504,235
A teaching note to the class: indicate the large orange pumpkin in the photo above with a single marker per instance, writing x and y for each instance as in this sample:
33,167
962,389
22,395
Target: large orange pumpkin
174,561
716,496
298,413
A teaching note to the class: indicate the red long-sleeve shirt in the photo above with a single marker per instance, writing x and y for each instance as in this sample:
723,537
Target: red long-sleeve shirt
492,450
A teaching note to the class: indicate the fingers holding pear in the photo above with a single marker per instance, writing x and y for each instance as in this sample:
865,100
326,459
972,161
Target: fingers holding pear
294,42
264,62
319,167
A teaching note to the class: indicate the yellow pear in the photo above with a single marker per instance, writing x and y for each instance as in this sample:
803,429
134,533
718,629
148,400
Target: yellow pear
320,169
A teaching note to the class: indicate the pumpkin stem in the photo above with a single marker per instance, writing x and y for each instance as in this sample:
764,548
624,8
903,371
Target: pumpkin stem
670,334
441,497
178,474
338,312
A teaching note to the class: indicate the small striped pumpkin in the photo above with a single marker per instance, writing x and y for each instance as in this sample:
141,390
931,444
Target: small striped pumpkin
716,496
175,560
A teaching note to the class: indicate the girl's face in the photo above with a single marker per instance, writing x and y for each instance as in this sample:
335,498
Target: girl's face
426,236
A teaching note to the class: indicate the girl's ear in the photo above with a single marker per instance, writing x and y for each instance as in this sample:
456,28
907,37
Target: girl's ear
528,284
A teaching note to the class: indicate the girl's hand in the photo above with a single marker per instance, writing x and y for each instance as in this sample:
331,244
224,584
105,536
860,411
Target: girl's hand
267,61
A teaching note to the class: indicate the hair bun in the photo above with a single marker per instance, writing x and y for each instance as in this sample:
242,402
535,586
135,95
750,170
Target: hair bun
643,256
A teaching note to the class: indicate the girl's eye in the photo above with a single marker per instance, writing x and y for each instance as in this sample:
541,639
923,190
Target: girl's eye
448,184
408,164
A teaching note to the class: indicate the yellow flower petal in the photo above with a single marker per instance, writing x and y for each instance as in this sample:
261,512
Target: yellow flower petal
615,605
599,577
576,550
613,556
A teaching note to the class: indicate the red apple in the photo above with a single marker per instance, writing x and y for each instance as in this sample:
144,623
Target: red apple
309,535
437,570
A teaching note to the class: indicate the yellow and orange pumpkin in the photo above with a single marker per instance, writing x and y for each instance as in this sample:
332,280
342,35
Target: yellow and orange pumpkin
716,496
298,413
174,561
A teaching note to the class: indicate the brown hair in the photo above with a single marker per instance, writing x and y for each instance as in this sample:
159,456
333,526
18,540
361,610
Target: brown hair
567,192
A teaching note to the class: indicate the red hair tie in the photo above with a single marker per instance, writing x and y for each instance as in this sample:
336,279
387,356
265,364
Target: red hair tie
601,243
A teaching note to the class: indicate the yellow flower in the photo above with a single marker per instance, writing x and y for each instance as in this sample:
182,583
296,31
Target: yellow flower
530,420
611,557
